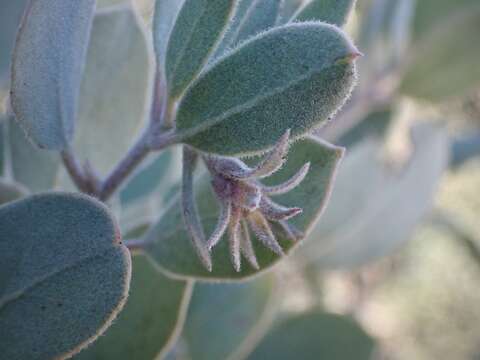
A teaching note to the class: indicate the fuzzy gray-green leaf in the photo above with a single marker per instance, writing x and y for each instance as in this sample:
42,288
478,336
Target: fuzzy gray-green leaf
330,11
151,320
64,275
234,315
34,168
293,77
113,95
314,336
170,245
198,29
47,68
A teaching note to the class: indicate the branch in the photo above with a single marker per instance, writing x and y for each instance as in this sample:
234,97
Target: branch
77,174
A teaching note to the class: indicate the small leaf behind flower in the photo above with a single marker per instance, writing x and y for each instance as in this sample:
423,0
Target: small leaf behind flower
170,245
47,68
292,77
198,29
64,275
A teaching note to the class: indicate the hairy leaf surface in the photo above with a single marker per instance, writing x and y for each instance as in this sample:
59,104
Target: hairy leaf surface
293,77
64,275
47,68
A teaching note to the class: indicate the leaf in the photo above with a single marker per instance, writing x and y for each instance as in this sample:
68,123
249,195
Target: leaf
47,67
171,248
334,12
9,19
381,207
251,18
113,95
10,191
164,17
288,9
151,320
3,146
34,168
197,31
313,336
293,77
64,275
443,63
224,320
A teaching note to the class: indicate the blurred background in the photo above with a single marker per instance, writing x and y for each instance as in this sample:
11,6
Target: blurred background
392,270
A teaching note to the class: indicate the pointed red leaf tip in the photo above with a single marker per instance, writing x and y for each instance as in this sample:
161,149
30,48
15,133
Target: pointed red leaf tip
348,59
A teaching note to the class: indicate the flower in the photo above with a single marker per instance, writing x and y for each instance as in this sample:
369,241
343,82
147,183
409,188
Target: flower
246,203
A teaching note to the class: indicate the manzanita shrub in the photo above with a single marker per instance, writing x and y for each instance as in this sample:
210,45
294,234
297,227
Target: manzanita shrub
235,87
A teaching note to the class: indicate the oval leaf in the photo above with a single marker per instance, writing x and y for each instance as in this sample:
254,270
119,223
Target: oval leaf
198,29
330,11
377,196
294,77
225,319
47,68
150,321
170,245
314,336
64,275
114,88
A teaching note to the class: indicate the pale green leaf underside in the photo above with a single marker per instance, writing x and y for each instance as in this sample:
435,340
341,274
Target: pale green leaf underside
197,31
114,88
64,275
334,12
173,251
314,336
36,169
47,66
10,191
150,321
224,319
397,201
444,63
164,17
293,77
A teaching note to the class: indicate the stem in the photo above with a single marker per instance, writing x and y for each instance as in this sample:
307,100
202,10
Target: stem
125,167
76,172
135,244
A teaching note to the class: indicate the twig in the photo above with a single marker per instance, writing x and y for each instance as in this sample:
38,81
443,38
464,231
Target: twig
76,172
